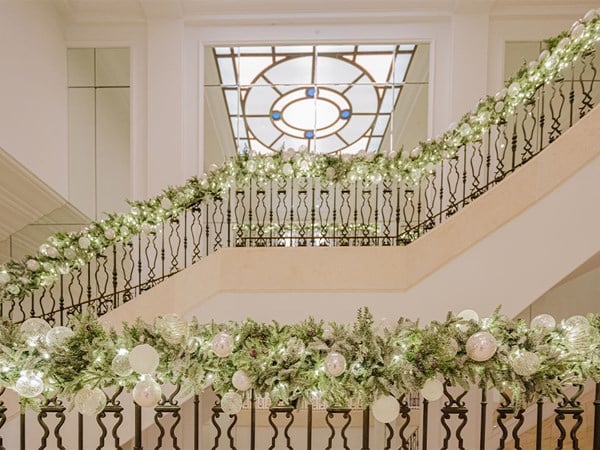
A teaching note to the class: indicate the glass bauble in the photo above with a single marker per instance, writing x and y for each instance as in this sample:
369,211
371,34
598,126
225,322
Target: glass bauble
35,330
57,336
385,409
241,381
120,364
481,346
222,344
172,328
29,384
524,363
544,322
335,364
144,359
147,392
432,390
90,401
231,403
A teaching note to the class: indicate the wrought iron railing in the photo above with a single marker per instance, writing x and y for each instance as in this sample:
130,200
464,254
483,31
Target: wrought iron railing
464,424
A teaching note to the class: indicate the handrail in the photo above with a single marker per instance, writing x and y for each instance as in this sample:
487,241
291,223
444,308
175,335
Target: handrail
300,198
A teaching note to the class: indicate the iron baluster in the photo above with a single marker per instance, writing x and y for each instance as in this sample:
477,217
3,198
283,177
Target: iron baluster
113,406
506,410
52,406
453,406
569,406
289,414
345,413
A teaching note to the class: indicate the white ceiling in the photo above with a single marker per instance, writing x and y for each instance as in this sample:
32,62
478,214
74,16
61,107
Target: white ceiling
219,10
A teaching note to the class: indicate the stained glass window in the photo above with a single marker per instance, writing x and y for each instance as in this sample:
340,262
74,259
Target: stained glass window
328,98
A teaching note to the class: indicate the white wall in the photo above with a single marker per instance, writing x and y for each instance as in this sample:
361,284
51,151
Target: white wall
33,90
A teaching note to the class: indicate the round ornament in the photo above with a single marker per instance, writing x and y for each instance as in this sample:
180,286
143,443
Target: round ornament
110,234
330,173
84,242
58,335
415,152
222,344
32,265
524,363
287,169
29,384
231,403
335,364
166,203
481,346
35,330
70,254
13,289
577,334
468,314
432,390
241,381
4,278
172,328
514,89
450,349
251,166
120,364
147,392
385,409
577,30
90,401
144,359
544,322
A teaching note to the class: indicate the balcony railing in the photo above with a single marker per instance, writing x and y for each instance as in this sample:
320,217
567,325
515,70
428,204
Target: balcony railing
468,423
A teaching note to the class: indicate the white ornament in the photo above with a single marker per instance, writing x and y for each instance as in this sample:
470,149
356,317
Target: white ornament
4,278
144,359
481,346
590,15
172,328
432,390
287,169
577,30
524,363
578,334
69,253
330,173
90,402
58,335
563,43
514,89
543,321
384,326
35,330
110,234
304,165
468,314
166,203
385,409
415,152
120,364
543,55
241,381
465,129
124,230
84,242
251,166
222,344
146,228
212,167
327,332
500,94
32,265
231,403
29,384
335,364
147,392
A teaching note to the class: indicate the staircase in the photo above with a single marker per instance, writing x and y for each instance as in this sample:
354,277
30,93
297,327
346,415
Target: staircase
461,222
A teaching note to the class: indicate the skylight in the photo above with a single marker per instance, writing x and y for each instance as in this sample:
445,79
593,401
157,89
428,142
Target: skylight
328,98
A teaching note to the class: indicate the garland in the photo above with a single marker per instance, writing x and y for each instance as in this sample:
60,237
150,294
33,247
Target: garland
309,361
64,252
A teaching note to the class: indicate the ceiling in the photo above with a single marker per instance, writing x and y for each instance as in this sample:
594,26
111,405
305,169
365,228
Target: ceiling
209,11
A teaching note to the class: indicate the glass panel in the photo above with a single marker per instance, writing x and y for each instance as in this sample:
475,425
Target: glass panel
377,66
112,149
112,67
249,68
226,71
331,71
401,67
80,67
418,69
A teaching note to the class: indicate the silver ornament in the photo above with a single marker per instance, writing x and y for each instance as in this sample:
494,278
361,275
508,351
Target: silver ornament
524,363
335,364
222,344
481,346
172,328
544,322
147,392
58,335
231,403
29,384
90,401
120,364
241,381
35,330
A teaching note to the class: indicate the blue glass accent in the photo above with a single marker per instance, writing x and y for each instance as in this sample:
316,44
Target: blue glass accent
345,114
309,134
311,91
276,115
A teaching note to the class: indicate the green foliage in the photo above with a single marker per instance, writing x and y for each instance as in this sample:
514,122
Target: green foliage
286,362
